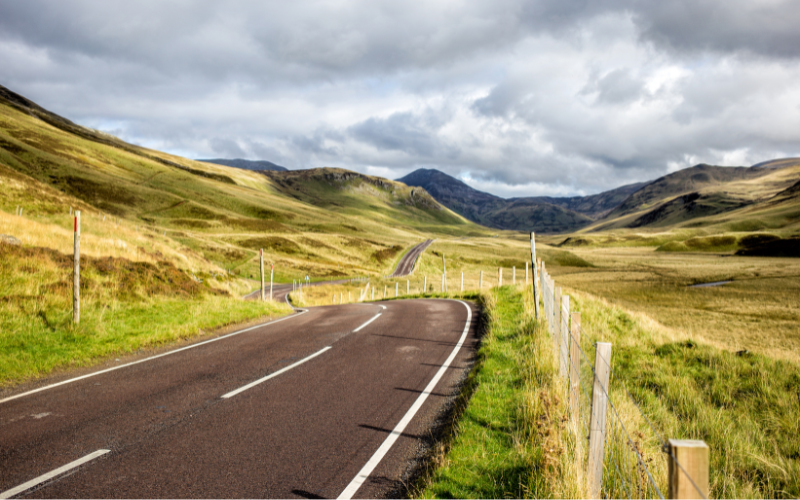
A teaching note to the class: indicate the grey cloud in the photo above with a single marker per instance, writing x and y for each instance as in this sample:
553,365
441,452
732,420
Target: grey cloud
581,95
618,86
731,26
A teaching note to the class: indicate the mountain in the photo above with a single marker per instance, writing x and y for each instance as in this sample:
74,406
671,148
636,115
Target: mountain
694,194
595,206
256,165
542,214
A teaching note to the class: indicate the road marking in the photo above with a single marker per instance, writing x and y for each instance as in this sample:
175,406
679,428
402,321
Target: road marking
44,477
282,370
149,359
368,322
364,473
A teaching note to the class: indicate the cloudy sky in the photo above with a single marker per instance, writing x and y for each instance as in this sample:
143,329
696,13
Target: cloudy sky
518,98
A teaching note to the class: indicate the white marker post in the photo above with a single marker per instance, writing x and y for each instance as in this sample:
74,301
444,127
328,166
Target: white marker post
462,281
76,271
271,270
480,283
408,287
536,291
373,293
261,261
425,285
513,275
396,288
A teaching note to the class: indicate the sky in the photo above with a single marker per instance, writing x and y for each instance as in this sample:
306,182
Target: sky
515,97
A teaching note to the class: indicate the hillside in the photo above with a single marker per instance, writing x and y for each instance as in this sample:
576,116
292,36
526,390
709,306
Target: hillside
595,206
521,214
213,217
694,195
246,164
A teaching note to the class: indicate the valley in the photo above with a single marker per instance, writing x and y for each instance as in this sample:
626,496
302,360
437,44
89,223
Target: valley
171,246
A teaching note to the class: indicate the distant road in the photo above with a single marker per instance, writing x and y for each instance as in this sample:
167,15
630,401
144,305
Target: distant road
406,264
281,290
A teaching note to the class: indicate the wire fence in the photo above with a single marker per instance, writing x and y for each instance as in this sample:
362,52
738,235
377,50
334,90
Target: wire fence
617,455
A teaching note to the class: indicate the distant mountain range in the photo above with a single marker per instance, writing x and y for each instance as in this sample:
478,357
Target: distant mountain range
247,164
699,191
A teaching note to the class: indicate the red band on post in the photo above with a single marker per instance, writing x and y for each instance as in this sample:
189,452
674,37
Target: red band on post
76,223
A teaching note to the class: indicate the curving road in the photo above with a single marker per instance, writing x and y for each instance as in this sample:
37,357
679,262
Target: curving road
406,264
329,401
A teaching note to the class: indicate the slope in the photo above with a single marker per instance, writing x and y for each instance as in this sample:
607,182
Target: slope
224,215
693,196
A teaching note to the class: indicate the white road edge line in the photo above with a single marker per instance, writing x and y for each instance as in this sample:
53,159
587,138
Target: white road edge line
44,477
364,473
368,322
271,375
149,359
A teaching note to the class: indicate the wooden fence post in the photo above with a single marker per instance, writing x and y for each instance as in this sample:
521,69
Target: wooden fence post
575,370
690,480
563,330
261,263
444,275
76,271
597,423
556,317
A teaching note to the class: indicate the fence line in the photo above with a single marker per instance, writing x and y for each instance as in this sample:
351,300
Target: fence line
622,467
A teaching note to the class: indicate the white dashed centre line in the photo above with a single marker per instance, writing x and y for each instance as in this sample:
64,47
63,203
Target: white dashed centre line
368,322
50,475
282,370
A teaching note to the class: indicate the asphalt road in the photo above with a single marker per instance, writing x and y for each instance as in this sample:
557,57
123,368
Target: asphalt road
406,264
330,401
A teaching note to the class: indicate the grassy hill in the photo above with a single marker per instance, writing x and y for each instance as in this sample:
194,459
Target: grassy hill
754,210
169,245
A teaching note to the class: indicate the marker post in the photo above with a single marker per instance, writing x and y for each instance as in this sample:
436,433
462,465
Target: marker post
76,271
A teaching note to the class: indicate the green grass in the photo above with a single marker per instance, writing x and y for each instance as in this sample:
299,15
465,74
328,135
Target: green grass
125,306
745,406
498,448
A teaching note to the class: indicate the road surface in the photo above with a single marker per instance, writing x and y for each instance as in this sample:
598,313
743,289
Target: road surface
326,402
406,264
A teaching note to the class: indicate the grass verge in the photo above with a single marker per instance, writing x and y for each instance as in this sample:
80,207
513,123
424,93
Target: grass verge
510,441
125,306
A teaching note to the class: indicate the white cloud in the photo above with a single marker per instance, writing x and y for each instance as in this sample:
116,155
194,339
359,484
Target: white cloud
545,97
